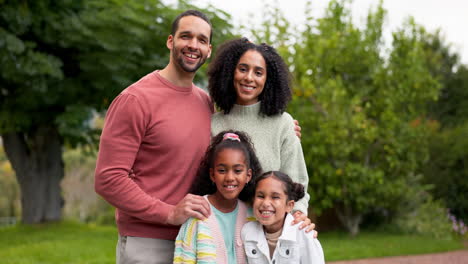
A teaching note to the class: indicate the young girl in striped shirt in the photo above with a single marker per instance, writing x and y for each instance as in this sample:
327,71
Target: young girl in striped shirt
224,178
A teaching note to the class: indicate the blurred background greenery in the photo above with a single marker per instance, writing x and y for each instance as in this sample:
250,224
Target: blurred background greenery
385,127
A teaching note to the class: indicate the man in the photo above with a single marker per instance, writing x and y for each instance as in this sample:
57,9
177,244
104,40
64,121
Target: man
155,135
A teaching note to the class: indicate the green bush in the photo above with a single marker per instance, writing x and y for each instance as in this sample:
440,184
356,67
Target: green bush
429,218
448,169
81,201
106,217
9,189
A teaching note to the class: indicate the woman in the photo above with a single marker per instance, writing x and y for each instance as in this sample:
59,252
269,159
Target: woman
250,84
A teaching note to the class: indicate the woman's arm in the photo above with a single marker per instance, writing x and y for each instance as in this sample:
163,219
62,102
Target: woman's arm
292,160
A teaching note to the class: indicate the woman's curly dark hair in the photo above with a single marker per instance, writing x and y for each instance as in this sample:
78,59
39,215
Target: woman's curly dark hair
203,184
277,91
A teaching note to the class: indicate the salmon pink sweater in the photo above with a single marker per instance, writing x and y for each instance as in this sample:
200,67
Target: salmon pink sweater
153,140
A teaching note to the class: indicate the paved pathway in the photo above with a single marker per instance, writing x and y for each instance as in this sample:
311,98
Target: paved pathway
453,257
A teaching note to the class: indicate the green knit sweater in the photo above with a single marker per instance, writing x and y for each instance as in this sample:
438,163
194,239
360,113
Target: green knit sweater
276,144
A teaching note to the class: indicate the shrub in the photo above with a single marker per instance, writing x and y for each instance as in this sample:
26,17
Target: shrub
448,169
81,201
429,218
9,189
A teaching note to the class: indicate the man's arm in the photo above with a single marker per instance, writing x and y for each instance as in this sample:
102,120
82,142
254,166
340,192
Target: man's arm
121,137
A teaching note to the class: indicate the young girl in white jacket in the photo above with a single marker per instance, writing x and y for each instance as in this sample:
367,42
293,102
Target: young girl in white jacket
269,239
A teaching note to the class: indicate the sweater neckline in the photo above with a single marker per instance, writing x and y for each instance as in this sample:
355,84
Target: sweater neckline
173,86
246,109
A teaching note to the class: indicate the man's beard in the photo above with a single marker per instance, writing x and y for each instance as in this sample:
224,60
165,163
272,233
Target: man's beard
178,57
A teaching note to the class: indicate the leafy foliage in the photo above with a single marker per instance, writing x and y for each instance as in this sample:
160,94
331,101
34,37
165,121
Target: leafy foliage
81,201
451,108
61,61
448,169
418,213
363,111
9,190
367,140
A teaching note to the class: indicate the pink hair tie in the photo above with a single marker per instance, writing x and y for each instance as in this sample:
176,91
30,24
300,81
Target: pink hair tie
231,136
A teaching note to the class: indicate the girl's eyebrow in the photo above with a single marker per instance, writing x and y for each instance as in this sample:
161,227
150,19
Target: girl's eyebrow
235,165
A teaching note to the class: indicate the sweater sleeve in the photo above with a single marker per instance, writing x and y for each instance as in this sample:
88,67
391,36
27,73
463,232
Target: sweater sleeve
292,161
194,243
124,129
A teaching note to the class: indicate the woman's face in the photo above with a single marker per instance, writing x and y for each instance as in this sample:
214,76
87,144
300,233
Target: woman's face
250,77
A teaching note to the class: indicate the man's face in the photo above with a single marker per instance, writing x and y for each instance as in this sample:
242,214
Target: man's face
190,46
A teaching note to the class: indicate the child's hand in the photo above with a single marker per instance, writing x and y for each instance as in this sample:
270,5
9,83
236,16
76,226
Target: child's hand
300,217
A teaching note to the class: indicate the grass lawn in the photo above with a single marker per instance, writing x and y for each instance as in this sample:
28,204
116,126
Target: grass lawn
340,246
65,242
74,243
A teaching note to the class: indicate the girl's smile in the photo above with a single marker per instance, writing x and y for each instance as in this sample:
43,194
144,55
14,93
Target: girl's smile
271,204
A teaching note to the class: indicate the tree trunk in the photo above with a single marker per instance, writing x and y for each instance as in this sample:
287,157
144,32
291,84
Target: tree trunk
349,218
36,158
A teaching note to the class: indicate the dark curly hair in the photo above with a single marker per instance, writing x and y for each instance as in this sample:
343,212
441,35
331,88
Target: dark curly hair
277,91
294,191
203,184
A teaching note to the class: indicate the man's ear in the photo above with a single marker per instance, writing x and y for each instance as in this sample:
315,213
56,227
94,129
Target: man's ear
209,52
170,42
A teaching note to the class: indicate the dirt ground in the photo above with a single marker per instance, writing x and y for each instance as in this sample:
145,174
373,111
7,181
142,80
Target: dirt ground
452,257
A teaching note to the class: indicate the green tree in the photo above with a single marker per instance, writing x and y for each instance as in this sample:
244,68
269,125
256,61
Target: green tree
448,148
363,113
448,169
451,108
62,61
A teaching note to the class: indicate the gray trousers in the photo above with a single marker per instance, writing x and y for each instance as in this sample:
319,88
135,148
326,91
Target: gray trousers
141,250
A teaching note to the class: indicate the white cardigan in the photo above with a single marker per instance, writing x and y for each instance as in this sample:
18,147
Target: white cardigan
294,245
